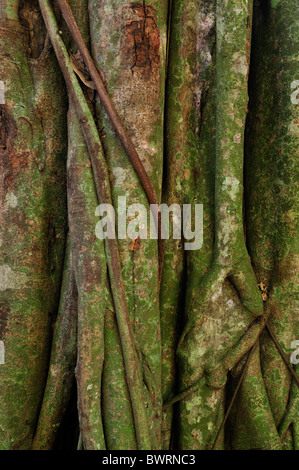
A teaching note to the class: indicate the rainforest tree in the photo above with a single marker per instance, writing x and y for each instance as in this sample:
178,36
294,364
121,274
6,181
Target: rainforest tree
141,344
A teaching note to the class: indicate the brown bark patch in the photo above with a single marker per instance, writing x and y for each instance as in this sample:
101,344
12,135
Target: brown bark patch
31,19
135,244
4,313
141,44
10,161
8,129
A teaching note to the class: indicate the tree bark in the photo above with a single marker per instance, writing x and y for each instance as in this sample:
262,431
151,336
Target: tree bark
179,102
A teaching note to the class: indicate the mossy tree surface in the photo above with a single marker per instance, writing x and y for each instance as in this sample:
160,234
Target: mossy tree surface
207,91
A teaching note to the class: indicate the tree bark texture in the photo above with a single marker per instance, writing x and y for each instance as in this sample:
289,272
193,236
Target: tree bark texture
199,359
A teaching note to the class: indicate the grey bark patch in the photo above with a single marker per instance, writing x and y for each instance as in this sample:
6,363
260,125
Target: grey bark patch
2,353
2,92
10,279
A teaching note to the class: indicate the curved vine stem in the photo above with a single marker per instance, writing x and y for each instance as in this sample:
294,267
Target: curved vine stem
234,396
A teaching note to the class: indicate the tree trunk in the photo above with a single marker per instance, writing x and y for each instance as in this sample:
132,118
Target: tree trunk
99,350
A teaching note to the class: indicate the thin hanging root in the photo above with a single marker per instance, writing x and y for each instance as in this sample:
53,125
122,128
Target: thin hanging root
250,355
62,364
115,119
102,184
90,271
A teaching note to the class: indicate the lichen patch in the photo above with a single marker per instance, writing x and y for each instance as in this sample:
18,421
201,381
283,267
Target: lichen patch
10,279
11,200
